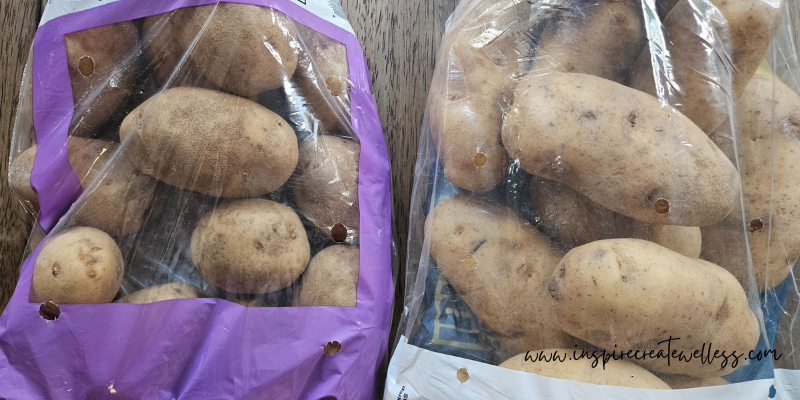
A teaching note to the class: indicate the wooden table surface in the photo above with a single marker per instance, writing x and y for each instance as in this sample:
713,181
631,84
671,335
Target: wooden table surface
400,40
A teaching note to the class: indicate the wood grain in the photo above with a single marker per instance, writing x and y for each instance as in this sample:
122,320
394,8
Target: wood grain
400,40
18,21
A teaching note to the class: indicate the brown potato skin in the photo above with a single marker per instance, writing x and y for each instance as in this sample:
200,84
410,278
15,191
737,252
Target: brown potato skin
164,54
746,37
167,291
235,35
572,220
323,79
768,114
326,184
79,266
331,278
493,258
663,7
108,46
116,205
601,38
614,373
467,98
250,246
690,382
118,202
619,147
632,294
210,142
19,177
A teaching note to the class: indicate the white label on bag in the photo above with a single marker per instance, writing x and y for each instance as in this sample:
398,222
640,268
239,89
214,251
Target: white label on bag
416,374
57,8
329,10
787,383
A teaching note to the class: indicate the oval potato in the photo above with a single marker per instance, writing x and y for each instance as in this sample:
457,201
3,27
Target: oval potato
242,48
500,265
79,266
620,148
250,246
699,69
630,294
466,100
768,114
210,142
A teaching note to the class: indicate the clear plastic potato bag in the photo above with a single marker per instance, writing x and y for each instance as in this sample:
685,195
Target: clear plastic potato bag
210,189
606,204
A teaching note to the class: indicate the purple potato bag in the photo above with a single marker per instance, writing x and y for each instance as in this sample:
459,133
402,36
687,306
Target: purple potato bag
203,348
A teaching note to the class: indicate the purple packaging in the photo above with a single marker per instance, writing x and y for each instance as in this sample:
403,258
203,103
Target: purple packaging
203,348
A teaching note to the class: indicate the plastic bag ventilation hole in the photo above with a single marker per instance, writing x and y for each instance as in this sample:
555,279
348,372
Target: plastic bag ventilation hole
462,375
480,159
49,311
332,348
339,233
662,206
86,66
756,225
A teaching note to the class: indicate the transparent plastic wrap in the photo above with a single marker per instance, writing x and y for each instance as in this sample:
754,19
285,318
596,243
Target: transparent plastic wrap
606,193
210,189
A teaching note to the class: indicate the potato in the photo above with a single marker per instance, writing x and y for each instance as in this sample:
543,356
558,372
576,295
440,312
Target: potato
326,186
210,142
243,49
620,148
613,373
19,177
323,79
467,93
79,266
250,246
164,54
117,204
630,294
573,220
331,278
698,69
689,382
601,38
102,70
167,291
500,265
768,147
84,155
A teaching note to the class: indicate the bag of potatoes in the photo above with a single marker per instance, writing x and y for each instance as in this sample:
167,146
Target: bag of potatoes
213,183
607,204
